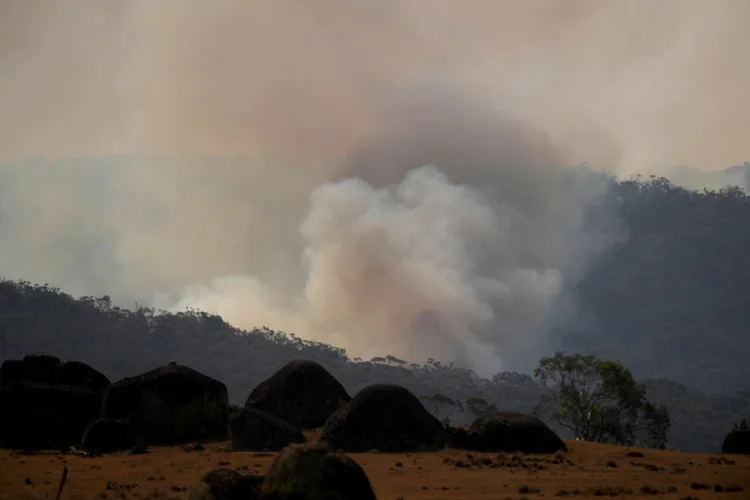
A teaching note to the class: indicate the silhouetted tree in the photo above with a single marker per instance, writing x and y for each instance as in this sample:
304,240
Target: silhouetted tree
598,400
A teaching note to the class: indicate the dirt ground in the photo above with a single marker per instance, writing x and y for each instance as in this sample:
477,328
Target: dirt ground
588,470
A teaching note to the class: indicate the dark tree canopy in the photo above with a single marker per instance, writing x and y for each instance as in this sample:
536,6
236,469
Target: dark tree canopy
599,400
302,393
672,301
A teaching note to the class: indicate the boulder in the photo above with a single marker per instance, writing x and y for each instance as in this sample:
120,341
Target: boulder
38,368
170,405
78,374
257,430
106,435
48,370
40,416
302,393
507,432
313,471
226,484
388,418
737,443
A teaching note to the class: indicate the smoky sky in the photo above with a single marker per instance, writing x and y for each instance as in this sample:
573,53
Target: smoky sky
639,83
391,177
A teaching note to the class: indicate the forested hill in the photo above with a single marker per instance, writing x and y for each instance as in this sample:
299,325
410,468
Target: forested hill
674,300
670,303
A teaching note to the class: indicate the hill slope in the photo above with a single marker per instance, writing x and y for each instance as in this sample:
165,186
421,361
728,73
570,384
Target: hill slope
674,300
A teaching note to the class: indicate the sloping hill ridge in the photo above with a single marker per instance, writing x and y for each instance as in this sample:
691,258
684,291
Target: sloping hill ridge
119,342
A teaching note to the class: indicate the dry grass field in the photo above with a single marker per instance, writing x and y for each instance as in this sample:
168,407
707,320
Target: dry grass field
588,470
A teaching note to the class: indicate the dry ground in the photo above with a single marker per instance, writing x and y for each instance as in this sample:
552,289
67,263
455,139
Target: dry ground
588,470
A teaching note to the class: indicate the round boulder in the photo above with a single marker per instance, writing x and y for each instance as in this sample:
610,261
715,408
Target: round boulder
313,471
387,418
38,368
106,435
48,370
508,432
302,393
226,484
45,417
170,405
737,443
257,430
78,374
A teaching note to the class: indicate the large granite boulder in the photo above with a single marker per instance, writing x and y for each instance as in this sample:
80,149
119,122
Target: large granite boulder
387,418
80,374
226,484
313,471
507,432
257,430
42,416
302,393
170,405
49,370
47,404
37,368
737,442
106,435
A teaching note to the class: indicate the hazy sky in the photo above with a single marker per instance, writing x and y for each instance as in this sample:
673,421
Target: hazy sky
637,82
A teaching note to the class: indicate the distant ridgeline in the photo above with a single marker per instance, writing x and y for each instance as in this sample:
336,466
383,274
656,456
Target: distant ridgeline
672,303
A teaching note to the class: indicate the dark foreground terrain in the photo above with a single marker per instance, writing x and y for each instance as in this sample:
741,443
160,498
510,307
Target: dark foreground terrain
588,470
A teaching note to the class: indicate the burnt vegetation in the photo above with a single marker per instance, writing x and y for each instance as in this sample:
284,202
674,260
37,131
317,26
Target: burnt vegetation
670,303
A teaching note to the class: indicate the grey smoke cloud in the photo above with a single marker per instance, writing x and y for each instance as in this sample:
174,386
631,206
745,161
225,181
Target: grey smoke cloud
451,232
464,258
390,177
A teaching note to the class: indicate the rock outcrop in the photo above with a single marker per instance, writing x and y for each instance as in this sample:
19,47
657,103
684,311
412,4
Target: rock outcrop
257,430
47,404
737,443
106,435
387,418
313,471
82,375
49,370
302,393
507,432
170,405
226,484
41,416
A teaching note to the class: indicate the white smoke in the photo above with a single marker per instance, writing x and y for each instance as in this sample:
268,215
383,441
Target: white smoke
424,268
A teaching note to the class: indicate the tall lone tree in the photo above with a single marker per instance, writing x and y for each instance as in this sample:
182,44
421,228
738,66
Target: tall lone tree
598,400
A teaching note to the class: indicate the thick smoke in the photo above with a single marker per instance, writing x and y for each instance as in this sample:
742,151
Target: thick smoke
638,84
391,177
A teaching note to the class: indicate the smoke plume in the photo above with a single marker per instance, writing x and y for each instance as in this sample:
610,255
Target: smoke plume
391,177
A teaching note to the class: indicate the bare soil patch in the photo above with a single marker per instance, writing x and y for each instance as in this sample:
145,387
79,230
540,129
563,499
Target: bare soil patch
588,470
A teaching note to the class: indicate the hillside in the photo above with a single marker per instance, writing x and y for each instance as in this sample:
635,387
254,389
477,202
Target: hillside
670,303
123,343
588,470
